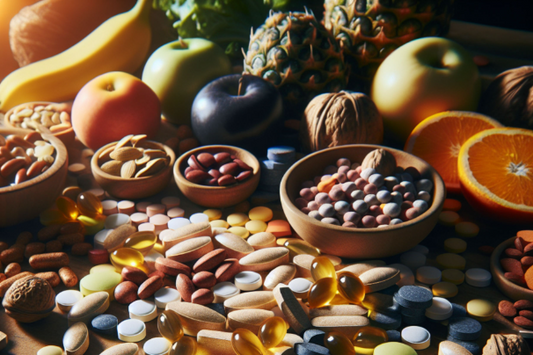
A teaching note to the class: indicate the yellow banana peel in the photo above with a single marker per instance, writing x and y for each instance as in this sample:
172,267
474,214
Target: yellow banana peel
119,44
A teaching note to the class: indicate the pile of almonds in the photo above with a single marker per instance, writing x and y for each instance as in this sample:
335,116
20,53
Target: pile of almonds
521,312
133,157
55,117
516,262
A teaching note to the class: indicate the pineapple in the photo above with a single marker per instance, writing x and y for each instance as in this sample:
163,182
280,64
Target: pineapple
295,53
369,30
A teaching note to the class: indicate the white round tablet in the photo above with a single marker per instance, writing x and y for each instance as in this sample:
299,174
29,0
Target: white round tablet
478,277
420,249
178,222
248,280
300,287
199,217
406,275
116,220
413,259
441,309
143,310
131,330
224,290
166,295
157,346
428,275
416,337
66,299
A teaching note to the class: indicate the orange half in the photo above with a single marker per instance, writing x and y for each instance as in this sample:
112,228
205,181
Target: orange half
496,173
438,139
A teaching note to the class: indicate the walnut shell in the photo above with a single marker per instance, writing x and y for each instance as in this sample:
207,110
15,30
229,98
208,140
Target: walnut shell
381,160
340,118
29,299
506,344
509,98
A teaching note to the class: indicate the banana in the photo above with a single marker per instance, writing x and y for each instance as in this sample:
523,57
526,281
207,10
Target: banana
119,44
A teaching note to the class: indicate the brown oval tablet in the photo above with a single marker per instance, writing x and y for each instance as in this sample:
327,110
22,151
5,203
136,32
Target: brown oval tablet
227,270
126,292
68,276
251,300
51,276
250,319
196,176
206,159
89,307
235,246
225,180
339,310
359,268
149,287
122,349
282,274
347,325
76,339
379,278
265,259
204,279
135,275
303,265
523,304
189,231
450,348
171,267
195,317
222,157
229,168
202,296
118,236
190,249
262,240
185,287
210,260
243,175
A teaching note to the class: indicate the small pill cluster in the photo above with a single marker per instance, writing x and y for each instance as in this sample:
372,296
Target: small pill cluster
220,169
133,157
55,117
517,261
348,195
24,158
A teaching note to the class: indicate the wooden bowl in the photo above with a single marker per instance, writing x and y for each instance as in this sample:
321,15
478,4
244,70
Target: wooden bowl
133,188
360,243
25,201
67,135
511,290
217,196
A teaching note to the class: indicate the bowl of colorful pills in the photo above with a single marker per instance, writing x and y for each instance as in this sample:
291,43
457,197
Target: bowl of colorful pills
217,175
362,201
33,167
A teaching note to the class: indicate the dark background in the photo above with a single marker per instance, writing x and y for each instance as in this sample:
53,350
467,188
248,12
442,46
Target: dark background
514,14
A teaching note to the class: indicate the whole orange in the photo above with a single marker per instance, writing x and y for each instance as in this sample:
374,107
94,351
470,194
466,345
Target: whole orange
113,105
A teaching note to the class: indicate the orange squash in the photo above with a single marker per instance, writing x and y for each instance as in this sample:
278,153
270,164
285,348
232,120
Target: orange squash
51,26
8,9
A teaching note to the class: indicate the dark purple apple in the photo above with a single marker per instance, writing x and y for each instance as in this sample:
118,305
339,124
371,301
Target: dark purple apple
247,119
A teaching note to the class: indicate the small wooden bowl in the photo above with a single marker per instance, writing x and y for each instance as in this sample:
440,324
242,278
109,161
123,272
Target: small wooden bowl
217,196
67,135
358,243
511,290
133,188
25,201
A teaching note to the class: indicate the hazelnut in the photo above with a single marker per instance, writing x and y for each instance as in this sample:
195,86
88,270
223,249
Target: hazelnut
29,299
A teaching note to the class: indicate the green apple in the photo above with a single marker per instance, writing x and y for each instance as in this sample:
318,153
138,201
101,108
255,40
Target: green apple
423,77
178,70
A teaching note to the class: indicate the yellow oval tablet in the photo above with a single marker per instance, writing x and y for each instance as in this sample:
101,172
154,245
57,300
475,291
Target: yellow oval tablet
451,261
219,223
449,218
466,229
100,281
454,276
213,214
260,213
240,231
103,268
481,309
455,245
255,226
237,219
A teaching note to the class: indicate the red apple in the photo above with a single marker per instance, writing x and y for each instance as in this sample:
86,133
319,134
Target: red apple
113,105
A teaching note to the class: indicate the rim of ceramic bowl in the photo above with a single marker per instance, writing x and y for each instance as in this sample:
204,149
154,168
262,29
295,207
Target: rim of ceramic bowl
96,167
183,158
59,161
439,192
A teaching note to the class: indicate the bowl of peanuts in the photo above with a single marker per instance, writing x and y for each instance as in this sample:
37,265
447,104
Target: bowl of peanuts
510,272
217,176
362,201
54,116
33,169
133,167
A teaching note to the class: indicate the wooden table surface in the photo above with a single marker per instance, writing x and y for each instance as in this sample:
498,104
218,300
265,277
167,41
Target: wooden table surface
28,338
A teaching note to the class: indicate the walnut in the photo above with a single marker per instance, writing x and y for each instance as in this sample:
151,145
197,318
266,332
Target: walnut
340,118
381,160
509,98
506,344
29,299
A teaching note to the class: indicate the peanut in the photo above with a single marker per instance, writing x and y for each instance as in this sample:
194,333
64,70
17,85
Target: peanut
68,276
6,284
50,276
49,261
34,248
12,254
12,269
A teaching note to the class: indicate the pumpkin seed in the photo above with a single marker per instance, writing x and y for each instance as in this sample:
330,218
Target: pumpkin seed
112,167
126,153
128,169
